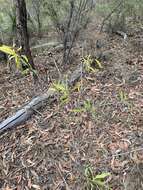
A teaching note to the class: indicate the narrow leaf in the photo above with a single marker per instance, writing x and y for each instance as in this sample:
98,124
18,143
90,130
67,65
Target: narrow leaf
7,50
102,176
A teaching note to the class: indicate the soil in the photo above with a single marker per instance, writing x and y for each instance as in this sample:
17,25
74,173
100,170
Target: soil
100,126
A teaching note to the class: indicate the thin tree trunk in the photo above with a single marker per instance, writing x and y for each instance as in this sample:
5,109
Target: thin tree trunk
21,30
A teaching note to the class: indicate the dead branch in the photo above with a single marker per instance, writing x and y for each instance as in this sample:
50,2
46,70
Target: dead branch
21,116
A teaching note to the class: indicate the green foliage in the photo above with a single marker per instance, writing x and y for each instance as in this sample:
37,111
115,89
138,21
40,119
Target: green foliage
20,60
62,88
55,10
58,10
123,97
78,86
7,19
121,11
133,8
88,107
88,62
104,8
98,63
95,181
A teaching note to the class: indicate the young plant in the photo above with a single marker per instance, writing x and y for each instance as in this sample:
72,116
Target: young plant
122,96
98,63
21,61
96,181
77,86
89,62
62,88
88,106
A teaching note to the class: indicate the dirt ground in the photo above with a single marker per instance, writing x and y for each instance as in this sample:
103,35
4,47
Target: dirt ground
54,148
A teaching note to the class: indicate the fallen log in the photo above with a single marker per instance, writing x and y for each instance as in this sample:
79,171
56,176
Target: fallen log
21,116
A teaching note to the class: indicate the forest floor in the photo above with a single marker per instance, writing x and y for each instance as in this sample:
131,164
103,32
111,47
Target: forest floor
100,127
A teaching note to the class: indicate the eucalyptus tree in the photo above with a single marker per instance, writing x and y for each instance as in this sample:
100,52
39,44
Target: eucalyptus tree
22,36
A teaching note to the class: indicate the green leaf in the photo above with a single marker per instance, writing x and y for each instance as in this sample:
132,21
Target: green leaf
89,173
77,110
25,72
99,64
98,182
53,89
102,176
7,50
11,57
88,64
62,88
19,49
25,58
34,72
17,61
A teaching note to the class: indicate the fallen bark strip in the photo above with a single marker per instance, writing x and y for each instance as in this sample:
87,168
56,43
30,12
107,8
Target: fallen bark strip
56,45
121,33
21,116
46,45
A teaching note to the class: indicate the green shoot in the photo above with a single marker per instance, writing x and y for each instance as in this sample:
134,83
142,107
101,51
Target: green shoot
96,181
20,60
123,96
99,64
88,106
62,88
124,99
88,63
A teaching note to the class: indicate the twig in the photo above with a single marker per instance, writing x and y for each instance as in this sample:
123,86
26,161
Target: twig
67,186
36,111
124,153
59,72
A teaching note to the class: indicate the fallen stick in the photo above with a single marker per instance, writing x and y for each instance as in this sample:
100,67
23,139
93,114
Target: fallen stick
21,116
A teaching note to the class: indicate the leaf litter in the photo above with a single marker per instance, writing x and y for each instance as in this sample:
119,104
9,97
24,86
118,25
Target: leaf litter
52,150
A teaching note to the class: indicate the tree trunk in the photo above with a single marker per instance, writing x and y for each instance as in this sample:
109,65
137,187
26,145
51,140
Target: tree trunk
21,30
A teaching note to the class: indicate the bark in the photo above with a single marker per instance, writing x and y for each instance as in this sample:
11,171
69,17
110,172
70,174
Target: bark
22,31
